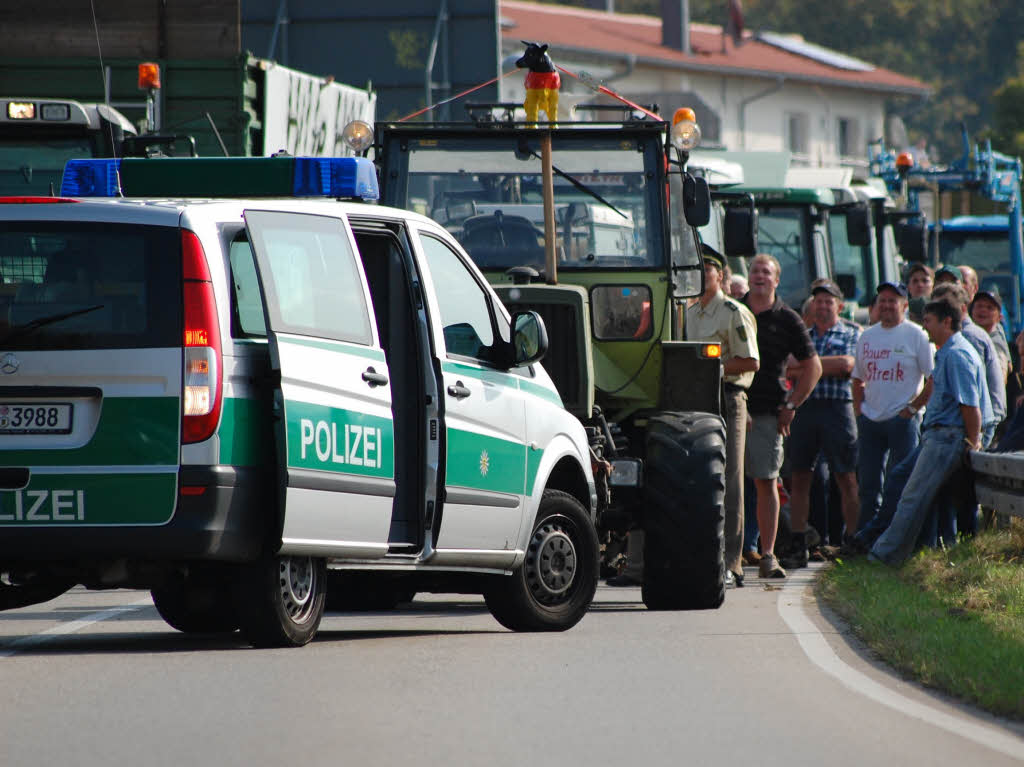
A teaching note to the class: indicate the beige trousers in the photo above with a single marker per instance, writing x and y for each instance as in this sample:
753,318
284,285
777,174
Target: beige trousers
735,446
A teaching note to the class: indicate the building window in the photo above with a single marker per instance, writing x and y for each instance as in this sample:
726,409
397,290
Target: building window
848,138
796,133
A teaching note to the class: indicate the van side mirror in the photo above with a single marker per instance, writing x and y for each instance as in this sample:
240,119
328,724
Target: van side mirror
696,200
910,239
740,231
529,339
858,224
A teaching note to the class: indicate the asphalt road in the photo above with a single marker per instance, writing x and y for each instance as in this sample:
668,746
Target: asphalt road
96,678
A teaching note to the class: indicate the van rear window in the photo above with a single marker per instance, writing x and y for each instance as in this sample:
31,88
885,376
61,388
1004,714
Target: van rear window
74,285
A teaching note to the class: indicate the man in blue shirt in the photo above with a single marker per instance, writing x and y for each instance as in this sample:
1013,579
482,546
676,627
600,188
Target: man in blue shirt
958,407
957,512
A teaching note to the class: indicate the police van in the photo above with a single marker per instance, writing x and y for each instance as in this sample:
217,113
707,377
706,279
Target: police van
235,383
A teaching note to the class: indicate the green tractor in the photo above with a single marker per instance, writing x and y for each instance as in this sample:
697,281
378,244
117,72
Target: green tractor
592,225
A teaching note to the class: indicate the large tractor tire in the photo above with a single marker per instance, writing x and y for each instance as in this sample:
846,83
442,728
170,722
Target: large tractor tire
555,585
684,513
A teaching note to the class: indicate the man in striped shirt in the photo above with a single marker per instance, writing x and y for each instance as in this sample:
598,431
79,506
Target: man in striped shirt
825,422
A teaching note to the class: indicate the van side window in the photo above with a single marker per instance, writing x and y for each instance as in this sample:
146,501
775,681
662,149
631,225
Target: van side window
246,289
314,287
465,309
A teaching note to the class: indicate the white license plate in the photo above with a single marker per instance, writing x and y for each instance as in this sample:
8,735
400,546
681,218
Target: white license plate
36,418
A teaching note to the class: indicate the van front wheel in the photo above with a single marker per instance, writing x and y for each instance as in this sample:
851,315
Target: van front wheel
280,600
555,584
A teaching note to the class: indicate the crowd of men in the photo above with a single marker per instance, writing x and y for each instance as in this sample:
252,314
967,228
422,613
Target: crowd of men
889,411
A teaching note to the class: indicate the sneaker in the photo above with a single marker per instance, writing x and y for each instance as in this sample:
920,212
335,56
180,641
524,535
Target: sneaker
796,557
623,580
769,567
751,558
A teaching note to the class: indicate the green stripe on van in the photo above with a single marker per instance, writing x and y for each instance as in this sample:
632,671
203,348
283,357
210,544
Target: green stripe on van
132,431
356,350
503,379
480,374
485,463
337,440
536,390
533,458
70,500
246,433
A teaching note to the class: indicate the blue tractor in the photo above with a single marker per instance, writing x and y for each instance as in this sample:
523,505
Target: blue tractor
993,245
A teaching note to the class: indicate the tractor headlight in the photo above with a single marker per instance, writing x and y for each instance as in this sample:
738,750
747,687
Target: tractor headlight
685,133
358,135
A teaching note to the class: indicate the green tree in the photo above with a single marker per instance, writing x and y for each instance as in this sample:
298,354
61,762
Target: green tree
1008,111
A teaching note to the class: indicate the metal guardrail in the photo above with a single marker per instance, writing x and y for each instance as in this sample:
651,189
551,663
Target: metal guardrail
999,481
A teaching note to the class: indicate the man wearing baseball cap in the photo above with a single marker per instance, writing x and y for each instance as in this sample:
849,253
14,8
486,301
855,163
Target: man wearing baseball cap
720,319
825,423
986,310
948,274
891,383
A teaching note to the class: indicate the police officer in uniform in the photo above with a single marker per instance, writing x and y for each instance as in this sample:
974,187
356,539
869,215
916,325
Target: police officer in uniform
717,318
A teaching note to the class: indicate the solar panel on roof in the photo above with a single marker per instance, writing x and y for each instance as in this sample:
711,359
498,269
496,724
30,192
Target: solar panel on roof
808,50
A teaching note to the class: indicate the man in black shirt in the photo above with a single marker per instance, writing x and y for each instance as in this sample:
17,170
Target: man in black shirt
780,333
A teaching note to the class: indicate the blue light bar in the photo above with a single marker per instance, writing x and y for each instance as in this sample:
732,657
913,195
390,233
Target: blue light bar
222,177
90,178
335,177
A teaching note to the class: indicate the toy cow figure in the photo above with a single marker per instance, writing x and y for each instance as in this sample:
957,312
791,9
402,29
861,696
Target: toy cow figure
542,82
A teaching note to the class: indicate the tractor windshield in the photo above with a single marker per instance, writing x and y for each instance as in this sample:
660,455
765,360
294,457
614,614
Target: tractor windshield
985,251
782,233
489,195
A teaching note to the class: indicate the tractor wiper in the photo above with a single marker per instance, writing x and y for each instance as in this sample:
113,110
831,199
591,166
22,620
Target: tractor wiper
39,322
581,186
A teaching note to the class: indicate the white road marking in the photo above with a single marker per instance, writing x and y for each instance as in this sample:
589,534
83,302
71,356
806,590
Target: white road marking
75,626
817,649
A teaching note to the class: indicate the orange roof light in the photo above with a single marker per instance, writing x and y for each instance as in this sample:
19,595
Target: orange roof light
712,351
904,161
149,75
684,113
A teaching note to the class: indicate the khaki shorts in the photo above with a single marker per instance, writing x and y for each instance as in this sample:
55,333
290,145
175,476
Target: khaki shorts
764,447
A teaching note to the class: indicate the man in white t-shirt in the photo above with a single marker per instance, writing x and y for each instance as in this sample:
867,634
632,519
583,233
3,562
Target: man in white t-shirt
893,358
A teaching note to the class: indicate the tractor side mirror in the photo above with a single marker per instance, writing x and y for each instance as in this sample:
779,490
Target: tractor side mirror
847,285
696,200
910,239
740,231
858,225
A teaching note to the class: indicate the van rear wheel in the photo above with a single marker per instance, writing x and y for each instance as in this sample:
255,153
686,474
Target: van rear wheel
280,600
196,608
555,584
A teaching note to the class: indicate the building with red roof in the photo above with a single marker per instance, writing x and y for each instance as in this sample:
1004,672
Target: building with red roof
764,91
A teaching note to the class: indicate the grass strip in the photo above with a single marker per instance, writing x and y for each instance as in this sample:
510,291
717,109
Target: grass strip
953,619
